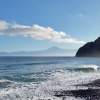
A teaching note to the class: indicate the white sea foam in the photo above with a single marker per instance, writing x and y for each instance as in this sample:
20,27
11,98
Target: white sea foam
61,80
95,67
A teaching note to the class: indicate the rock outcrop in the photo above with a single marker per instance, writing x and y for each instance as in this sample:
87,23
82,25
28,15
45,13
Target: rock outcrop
90,49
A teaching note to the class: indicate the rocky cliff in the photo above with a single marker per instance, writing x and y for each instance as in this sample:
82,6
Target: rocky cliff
90,49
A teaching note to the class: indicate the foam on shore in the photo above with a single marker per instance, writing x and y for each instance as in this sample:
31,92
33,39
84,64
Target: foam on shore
59,80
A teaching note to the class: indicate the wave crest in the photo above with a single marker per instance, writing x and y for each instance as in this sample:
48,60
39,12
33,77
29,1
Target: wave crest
95,67
85,68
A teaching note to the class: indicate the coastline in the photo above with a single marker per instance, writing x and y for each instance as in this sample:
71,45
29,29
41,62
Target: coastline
91,93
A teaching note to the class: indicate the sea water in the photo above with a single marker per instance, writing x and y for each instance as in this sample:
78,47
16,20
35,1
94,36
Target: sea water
37,78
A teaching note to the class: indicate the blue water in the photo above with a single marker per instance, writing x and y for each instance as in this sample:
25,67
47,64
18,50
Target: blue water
40,74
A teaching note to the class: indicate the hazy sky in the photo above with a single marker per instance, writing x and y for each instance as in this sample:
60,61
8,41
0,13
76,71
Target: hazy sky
38,24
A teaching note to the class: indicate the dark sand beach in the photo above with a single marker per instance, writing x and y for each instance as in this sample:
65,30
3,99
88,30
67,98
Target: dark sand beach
91,93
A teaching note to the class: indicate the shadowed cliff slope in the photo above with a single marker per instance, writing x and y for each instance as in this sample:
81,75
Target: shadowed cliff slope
90,49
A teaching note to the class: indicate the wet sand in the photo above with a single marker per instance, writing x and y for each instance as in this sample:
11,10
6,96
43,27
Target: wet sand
91,93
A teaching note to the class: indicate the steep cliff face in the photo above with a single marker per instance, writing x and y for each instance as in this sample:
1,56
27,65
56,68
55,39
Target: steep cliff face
90,49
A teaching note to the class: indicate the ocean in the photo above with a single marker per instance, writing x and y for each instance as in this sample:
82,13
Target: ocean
39,78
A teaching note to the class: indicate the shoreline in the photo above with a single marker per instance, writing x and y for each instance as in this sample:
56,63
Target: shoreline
91,93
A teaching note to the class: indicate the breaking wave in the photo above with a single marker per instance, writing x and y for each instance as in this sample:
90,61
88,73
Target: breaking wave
85,68
59,80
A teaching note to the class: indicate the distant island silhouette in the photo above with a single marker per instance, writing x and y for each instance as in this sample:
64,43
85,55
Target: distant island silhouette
90,49
52,51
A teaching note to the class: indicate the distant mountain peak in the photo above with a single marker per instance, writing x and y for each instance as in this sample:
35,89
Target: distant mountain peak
52,51
54,48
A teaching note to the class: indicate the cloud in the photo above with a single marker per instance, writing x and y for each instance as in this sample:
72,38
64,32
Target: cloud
36,32
3,25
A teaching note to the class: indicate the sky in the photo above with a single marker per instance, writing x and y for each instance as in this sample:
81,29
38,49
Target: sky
27,25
